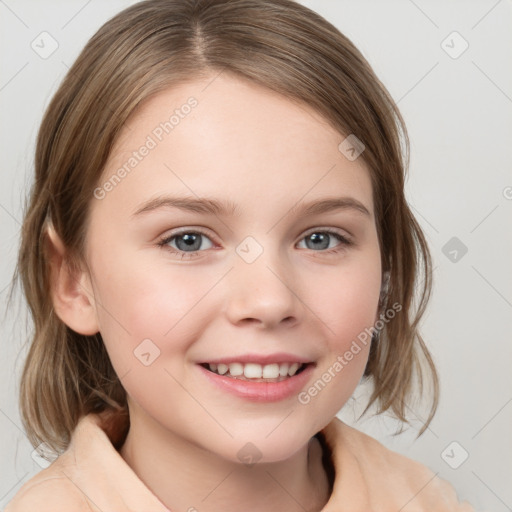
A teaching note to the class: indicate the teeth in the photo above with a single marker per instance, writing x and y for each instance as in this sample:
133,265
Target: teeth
236,369
283,369
221,368
253,371
271,371
256,371
293,369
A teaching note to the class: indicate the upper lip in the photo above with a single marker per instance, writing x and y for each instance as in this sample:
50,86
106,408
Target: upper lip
259,359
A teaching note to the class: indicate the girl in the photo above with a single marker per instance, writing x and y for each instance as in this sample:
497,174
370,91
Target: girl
191,348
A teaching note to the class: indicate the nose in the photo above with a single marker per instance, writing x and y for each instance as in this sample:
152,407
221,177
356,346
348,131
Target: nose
262,292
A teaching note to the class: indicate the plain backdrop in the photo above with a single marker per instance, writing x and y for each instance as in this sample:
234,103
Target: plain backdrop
447,65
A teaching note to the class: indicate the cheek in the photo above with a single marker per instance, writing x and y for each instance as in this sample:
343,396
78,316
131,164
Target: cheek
349,313
347,301
147,332
147,302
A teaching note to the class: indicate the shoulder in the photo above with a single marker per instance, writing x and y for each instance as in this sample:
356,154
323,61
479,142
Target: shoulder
389,477
48,491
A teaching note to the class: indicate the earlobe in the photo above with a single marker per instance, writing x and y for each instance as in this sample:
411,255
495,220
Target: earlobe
71,291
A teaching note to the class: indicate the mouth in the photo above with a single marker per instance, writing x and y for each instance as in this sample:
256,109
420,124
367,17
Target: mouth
254,372
259,377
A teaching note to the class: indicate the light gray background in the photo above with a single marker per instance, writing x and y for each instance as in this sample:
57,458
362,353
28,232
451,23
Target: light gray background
459,116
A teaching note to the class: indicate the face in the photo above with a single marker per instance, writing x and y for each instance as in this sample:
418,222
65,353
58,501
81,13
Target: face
232,265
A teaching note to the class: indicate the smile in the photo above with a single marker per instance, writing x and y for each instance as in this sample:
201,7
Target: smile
259,378
274,372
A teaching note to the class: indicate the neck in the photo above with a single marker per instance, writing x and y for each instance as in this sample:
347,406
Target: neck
185,476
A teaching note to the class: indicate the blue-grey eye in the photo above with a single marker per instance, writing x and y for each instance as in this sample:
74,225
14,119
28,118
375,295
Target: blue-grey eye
189,241
321,240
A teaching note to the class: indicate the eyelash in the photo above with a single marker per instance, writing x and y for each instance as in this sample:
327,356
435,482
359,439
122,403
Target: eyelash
344,242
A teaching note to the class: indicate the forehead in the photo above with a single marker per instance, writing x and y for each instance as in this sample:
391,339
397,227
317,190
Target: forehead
226,137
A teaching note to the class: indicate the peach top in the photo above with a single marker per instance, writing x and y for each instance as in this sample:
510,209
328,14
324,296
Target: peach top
92,475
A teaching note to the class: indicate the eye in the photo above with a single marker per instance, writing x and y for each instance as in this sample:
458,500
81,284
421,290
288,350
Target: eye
185,242
320,240
189,244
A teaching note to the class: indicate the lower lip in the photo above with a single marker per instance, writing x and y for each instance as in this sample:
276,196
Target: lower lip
261,391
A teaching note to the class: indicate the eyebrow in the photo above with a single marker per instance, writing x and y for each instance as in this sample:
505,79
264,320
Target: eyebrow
216,207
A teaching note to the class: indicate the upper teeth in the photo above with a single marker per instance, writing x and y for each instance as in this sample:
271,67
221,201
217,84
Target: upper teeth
256,371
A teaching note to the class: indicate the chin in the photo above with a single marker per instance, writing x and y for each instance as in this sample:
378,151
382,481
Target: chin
264,440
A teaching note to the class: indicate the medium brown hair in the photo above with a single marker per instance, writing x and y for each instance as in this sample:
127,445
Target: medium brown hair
147,48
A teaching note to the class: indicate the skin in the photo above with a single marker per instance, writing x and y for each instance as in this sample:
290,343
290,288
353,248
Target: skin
267,154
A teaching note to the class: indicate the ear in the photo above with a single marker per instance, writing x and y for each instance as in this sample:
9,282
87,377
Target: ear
71,290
